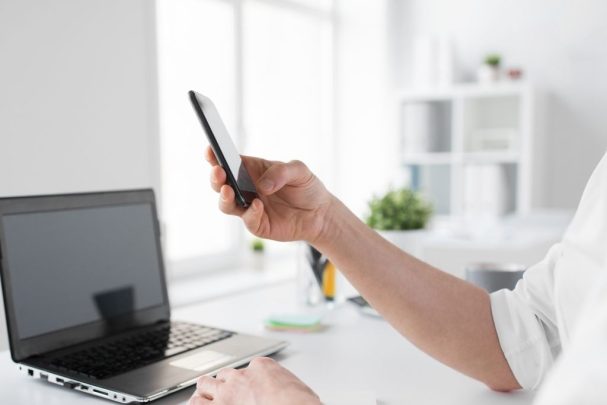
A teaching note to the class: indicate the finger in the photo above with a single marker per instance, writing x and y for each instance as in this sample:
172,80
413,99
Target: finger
210,157
280,174
253,216
199,400
207,386
262,362
226,373
218,178
256,166
227,202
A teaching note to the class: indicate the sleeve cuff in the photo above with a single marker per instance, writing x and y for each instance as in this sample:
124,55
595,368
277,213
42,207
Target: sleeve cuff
522,339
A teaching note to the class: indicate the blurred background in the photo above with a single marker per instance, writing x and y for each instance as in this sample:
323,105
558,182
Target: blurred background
492,110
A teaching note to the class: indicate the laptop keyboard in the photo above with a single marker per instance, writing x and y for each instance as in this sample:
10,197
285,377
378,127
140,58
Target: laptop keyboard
139,349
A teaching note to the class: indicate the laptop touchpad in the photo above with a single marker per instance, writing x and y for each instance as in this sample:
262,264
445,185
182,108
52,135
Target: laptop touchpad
202,361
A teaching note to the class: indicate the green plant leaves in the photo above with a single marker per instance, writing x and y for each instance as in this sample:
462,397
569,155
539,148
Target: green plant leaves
401,209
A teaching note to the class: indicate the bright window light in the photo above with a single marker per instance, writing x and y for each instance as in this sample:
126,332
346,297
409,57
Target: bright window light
288,84
267,64
196,51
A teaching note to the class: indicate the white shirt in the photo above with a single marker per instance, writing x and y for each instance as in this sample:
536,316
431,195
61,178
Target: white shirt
537,318
580,375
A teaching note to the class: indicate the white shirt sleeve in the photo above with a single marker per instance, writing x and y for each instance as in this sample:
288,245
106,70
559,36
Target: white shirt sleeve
580,375
525,322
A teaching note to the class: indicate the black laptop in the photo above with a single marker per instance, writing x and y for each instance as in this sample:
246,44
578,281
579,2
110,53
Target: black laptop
86,299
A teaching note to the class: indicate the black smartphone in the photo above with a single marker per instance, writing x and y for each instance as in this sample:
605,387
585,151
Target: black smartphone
224,148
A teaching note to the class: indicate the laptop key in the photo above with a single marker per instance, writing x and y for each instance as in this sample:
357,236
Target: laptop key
176,350
137,350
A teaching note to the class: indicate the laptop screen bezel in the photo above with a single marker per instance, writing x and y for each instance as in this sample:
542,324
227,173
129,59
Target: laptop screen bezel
21,349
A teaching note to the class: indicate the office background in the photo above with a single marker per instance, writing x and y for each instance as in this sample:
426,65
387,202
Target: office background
92,95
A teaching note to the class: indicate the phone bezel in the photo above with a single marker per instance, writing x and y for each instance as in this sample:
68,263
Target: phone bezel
243,198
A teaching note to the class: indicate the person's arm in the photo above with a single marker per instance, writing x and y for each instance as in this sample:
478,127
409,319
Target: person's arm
446,317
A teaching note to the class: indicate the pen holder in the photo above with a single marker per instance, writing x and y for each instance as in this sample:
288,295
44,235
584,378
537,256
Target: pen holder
316,277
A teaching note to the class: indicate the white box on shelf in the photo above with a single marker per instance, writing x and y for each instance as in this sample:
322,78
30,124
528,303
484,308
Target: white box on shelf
485,191
493,139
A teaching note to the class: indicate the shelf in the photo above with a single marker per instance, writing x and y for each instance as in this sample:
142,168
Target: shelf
467,147
430,158
464,90
447,158
491,157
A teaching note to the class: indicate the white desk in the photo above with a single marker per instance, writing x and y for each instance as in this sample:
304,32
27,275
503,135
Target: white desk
355,353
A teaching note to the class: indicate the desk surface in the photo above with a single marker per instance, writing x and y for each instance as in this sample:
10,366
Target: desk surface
356,353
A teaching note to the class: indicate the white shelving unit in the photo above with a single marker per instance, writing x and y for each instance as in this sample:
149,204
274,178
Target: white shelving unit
468,147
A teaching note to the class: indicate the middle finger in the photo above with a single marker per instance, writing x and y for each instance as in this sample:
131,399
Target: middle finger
207,386
218,178
227,202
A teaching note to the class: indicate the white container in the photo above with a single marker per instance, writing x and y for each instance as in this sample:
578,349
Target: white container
485,191
410,241
487,73
417,128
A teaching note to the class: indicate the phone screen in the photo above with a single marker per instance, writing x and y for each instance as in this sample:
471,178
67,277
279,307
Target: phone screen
227,153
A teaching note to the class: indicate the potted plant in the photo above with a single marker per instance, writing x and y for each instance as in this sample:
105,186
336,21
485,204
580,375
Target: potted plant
489,71
400,216
257,256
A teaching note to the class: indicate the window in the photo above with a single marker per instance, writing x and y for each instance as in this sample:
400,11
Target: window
267,64
288,83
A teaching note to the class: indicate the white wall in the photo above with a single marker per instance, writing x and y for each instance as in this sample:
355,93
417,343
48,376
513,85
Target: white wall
78,97
561,46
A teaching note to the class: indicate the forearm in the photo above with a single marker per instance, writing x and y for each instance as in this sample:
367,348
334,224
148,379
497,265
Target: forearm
443,315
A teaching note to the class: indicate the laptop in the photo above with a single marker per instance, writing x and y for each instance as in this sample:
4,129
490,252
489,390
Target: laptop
86,300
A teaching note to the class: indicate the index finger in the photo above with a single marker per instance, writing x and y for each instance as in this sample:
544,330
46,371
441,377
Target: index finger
209,155
199,400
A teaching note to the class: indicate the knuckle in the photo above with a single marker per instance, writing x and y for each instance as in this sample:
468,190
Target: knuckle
280,169
202,381
298,164
225,372
232,375
262,361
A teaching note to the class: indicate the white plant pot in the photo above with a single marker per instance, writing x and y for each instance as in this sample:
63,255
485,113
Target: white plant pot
488,74
410,241
257,261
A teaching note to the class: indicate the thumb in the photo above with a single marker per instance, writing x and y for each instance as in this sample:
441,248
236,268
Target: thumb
253,217
294,173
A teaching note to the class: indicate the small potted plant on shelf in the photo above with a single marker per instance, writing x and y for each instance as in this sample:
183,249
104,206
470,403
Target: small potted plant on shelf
257,255
400,216
489,71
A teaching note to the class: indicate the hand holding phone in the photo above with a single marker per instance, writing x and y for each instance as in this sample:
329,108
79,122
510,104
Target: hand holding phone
224,149
292,202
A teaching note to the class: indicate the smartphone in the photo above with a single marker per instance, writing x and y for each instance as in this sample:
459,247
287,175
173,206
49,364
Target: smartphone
224,148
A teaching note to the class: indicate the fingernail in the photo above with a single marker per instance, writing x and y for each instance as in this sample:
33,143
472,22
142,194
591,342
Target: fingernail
266,185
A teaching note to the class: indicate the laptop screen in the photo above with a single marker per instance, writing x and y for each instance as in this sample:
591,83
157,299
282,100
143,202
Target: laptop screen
72,267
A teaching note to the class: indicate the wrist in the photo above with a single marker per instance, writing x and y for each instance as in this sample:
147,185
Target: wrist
331,219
